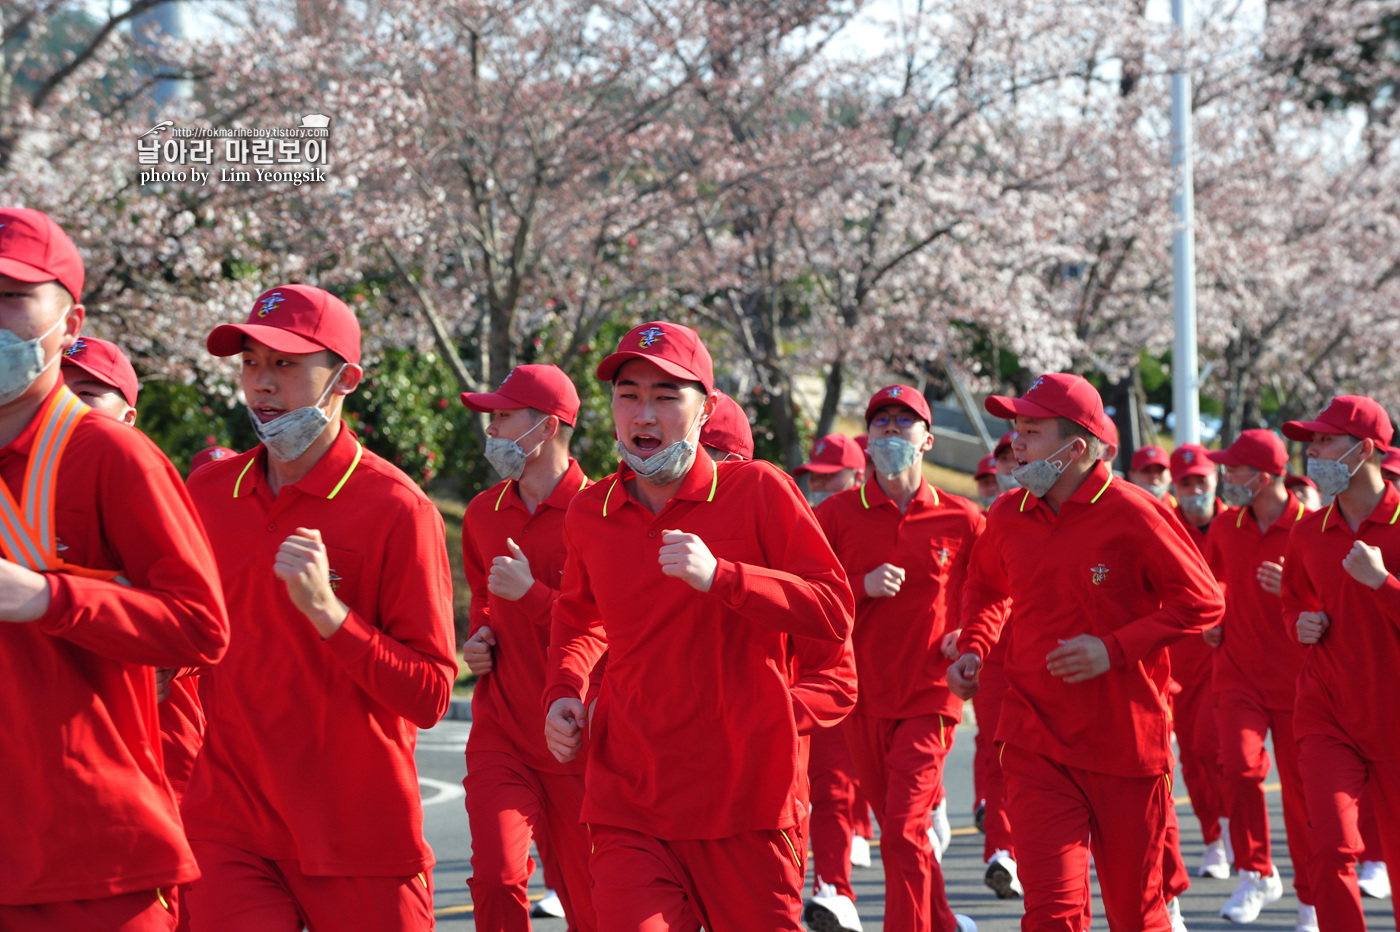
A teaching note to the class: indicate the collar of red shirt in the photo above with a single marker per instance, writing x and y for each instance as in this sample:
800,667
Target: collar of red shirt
22,444
699,484
1292,511
872,494
325,479
1098,480
570,483
1387,512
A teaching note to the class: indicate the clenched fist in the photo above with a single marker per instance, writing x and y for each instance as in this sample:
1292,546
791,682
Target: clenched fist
884,581
685,557
301,563
510,574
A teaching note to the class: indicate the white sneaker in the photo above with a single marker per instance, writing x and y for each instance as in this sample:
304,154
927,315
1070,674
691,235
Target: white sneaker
940,833
1174,911
829,911
1216,862
1254,892
1307,919
1001,876
860,851
1374,879
549,907
965,923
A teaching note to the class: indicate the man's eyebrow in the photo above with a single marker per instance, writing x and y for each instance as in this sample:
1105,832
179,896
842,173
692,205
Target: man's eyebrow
675,387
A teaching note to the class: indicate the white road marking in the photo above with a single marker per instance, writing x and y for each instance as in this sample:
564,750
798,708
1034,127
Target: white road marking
446,792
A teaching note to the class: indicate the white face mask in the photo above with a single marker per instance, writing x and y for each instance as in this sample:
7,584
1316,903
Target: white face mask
1158,489
1038,477
1197,507
664,466
892,455
1007,482
1238,494
507,457
289,436
1332,476
22,361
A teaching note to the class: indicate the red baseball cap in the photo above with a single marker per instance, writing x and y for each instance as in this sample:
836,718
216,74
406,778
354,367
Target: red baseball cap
294,319
1293,482
675,348
208,455
863,441
1391,462
105,362
1258,449
33,248
544,388
1357,415
833,453
1144,457
1057,394
911,398
1004,443
1191,459
986,466
728,428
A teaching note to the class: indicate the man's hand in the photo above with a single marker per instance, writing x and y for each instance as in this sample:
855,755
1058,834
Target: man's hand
301,564
949,647
510,575
1214,636
884,581
164,678
563,729
1078,659
685,557
1365,565
477,651
1270,577
1312,626
24,594
962,675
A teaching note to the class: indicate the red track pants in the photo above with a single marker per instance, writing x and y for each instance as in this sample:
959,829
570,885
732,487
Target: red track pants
508,803
128,912
1244,722
987,778
1057,813
834,801
900,766
1334,777
1193,718
750,882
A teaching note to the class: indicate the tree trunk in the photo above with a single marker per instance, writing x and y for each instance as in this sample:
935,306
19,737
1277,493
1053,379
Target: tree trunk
831,397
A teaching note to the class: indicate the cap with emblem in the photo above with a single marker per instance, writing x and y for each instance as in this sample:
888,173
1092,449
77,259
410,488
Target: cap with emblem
1057,394
209,455
293,319
986,466
33,248
1004,443
105,362
1191,459
674,348
544,388
1144,457
1356,415
833,453
905,395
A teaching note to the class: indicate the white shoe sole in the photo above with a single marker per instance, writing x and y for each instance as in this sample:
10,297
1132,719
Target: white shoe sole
998,880
820,919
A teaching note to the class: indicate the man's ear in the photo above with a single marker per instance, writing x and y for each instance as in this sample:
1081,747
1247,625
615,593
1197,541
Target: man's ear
349,379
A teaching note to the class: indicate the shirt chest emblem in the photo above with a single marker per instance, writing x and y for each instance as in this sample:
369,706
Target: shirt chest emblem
1100,574
944,556
334,578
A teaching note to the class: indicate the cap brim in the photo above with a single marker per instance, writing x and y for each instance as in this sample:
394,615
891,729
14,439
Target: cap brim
607,369
1225,457
824,469
24,272
227,340
490,401
1008,408
1302,431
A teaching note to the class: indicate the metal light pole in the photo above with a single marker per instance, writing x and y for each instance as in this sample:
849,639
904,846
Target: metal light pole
1185,403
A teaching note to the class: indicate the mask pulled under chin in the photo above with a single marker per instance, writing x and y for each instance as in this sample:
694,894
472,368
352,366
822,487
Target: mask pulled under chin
664,466
508,457
292,434
22,362
1040,476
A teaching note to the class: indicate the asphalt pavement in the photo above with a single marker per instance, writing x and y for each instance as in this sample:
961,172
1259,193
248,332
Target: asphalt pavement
442,765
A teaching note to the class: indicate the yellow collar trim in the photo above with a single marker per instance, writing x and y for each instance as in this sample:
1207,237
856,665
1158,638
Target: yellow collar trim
359,452
500,498
239,484
1102,490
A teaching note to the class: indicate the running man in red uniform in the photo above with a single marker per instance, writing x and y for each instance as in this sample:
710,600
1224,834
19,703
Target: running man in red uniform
906,544
1343,603
304,806
1256,670
513,554
697,579
1102,579
105,575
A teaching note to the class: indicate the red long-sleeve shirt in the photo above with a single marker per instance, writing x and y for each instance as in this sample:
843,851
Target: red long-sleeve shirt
506,712
1258,655
308,753
1115,564
1348,681
695,732
898,640
1192,659
85,809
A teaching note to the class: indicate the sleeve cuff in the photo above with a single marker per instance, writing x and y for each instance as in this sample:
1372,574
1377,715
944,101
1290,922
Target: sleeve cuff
555,693
1117,658
351,639
728,583
59,620
1388,594
537,600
